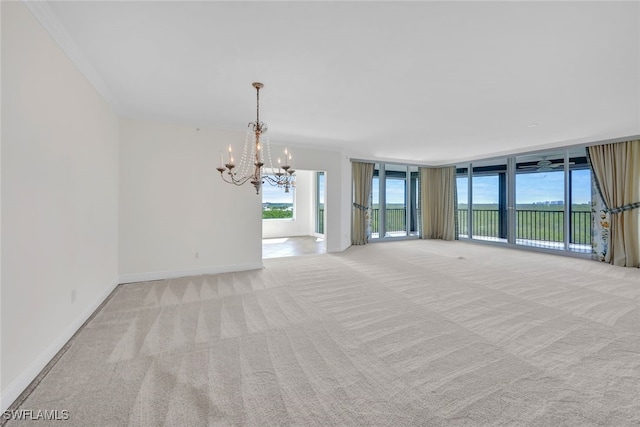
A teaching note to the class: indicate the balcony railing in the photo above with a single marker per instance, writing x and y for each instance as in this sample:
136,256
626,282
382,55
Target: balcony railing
320,223
537,225
395,220
531,225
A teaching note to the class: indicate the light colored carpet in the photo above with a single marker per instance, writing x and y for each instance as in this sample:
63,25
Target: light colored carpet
391,334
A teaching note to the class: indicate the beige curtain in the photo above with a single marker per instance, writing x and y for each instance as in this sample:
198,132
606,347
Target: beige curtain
362,178
616,168
438,202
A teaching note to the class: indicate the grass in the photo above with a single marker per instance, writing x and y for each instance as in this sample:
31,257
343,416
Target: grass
533,222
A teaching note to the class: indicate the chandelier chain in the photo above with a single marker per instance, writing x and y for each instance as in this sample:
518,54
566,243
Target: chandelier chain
243,160
269,155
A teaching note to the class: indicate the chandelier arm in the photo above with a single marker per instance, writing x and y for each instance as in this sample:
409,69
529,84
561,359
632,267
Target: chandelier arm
233,180
281,180
225,179
270,180
242,180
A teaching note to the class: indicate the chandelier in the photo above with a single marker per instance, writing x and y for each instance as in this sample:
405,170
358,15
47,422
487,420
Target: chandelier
250,169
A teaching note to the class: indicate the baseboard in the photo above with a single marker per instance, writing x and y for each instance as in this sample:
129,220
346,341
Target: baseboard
20,384
173,274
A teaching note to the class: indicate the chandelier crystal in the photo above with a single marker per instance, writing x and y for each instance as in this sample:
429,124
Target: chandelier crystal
251,167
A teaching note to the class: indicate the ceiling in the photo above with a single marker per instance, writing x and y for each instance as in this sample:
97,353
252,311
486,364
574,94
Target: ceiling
421,82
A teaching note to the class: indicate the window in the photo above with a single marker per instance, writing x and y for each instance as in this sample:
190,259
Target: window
462,189
579,201
320,202
395,198
537,200
482,206
540,200
276,204
395,201
415,213
488,195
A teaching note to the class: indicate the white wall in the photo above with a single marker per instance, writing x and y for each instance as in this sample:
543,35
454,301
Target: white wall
59,199
337,169
173,204
87,200
303,223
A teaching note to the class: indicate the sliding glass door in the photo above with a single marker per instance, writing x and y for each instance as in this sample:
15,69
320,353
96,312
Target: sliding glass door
579,203
414,212
462,188
394,201
538,200
489,201
319,203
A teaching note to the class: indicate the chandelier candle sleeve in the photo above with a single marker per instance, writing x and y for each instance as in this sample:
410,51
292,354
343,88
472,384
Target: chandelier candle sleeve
253,152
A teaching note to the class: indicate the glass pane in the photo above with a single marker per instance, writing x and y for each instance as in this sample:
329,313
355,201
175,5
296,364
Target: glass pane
489,219
580,185
540,200
375,203
395,200
276,204
414,202
462,188
320,203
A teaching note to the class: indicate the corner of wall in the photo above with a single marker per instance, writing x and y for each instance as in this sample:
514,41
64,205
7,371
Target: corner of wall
15,389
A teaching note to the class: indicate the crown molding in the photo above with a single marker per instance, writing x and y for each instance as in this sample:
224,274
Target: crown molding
50,22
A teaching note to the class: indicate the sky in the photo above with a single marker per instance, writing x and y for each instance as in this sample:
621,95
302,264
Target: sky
274,194
531,188
394,193
321,187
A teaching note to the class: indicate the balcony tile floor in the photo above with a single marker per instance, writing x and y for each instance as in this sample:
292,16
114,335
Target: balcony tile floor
292,246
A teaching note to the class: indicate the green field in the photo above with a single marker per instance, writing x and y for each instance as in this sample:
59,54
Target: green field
277,211
582,207
533,221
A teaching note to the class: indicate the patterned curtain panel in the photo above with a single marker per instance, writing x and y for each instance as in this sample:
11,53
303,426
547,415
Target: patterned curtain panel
616,169
438,203
600,224
362,179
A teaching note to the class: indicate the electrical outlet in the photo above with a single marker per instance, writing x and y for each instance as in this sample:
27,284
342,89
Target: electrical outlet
73,296
197,254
